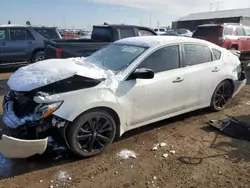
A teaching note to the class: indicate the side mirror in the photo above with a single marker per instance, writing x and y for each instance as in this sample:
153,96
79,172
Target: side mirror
143,73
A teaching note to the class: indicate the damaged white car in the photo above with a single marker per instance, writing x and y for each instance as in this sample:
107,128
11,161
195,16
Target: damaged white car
84,103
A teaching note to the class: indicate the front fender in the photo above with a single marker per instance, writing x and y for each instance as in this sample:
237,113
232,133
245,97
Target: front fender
77,102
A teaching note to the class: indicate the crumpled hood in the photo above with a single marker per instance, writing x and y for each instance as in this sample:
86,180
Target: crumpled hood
49,71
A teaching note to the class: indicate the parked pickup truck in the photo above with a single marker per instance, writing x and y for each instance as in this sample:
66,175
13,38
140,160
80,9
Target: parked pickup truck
24,43
101,36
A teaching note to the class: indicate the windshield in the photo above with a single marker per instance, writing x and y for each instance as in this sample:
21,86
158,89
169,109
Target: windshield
116,57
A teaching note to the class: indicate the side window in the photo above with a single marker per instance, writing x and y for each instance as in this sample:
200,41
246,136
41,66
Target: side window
217,54
29,35
240,31
3,34
228,30
127,32
164,59
197,54
17,34
247,31
143,32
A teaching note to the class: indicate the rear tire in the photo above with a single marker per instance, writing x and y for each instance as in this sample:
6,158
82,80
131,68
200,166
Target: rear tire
222,95
91,133
38,56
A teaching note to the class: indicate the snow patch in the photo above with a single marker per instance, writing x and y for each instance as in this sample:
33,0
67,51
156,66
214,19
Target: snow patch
125,154
62,176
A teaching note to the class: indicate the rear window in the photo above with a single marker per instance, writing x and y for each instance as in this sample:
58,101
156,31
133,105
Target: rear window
208,31
162,30
48,33
228,31
103,34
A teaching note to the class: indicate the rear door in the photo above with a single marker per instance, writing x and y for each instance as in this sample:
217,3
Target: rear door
242,39
17,47
247,33
203,73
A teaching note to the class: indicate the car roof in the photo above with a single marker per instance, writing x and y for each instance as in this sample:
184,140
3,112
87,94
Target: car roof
152,41
224,24
25,26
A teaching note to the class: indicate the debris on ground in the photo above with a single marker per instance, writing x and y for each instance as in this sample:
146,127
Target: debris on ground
154,148
62,176
165,155
172,151
154,177
237,127
125,154
163,144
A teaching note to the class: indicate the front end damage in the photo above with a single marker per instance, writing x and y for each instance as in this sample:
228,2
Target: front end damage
30,123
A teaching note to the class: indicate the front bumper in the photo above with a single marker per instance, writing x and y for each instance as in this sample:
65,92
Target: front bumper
18,148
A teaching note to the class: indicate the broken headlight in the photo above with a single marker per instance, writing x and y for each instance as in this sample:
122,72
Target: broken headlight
45,110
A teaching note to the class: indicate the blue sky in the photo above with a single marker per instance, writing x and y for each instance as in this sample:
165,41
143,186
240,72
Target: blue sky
83,13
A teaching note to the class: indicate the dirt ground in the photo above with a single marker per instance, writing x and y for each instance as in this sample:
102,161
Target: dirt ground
203,157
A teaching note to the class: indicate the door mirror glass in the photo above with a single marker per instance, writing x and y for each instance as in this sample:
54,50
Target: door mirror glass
143,73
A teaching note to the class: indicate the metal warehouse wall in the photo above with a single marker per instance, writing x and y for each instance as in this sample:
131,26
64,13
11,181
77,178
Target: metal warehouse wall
191,25
245,21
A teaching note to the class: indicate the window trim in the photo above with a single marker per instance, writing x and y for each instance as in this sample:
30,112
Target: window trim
199,44
16,28
214,59
27,31
158,48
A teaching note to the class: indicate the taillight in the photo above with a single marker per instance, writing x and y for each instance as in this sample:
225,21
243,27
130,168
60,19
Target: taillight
58,52
221,39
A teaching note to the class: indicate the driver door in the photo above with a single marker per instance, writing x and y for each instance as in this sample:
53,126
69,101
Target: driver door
147,100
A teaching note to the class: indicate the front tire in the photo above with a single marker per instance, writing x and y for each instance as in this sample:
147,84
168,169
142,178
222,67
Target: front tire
91,133
222,95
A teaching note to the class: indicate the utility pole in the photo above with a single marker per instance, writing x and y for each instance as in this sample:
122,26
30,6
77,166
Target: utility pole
150,20
210,7
140,22
158,24
218,3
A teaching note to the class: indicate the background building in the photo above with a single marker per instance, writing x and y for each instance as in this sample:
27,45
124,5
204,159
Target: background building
226,16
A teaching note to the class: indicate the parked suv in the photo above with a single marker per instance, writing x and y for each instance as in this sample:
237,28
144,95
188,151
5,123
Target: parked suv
19,43
229,36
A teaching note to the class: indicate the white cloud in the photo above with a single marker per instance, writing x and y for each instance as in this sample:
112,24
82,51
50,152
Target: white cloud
178,8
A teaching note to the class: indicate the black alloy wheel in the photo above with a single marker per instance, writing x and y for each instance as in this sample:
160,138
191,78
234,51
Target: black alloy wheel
222,95
91,133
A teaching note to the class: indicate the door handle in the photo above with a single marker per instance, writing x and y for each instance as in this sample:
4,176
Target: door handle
178,79
3,44
216,69
29,42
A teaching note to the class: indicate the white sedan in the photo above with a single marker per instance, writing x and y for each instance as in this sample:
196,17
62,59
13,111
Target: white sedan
87,102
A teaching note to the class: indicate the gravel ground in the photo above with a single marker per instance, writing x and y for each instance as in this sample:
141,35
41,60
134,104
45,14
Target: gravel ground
203,157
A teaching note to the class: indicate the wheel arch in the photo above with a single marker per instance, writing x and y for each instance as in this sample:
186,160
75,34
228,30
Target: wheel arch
227,79
112,112
34,52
